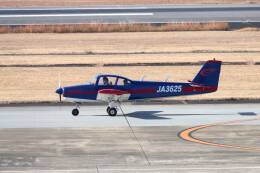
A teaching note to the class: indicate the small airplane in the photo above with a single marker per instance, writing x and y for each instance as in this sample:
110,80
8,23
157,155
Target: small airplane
114,89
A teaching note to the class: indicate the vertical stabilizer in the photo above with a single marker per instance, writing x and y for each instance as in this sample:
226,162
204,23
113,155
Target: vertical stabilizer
209,74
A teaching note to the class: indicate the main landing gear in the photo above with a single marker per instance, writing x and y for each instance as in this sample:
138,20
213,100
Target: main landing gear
111,111
113,107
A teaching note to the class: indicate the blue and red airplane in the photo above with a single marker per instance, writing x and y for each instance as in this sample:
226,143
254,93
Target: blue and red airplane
114,89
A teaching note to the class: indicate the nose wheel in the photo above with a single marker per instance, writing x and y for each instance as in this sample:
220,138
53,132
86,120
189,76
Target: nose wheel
75,112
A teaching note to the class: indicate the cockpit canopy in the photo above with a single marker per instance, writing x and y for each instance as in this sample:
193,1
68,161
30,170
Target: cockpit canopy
105,79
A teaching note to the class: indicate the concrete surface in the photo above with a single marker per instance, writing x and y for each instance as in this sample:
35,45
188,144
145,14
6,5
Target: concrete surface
132,14
49,139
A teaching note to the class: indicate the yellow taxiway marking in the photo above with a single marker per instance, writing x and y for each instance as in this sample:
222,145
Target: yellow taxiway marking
187,135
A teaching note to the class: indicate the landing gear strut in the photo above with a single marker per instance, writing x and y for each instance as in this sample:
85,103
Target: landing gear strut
75,111
108,109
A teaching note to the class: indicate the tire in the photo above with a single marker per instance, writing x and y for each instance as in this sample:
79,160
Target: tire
75,112
112,112
108,109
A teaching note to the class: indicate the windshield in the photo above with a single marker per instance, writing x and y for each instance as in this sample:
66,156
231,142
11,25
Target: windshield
92,80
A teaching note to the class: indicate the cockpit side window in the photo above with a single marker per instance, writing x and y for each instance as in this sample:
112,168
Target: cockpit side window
122,81
104,80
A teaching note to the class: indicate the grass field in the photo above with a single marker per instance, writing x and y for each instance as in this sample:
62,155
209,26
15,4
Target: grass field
29,3
27,84
150,42
99,60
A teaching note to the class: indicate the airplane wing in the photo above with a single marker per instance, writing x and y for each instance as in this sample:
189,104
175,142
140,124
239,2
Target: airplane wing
108,95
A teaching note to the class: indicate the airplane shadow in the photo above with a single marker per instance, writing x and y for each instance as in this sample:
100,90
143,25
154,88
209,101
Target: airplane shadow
153,115
148,115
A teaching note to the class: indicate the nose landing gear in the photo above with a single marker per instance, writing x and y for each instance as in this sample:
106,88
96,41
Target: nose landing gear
75,112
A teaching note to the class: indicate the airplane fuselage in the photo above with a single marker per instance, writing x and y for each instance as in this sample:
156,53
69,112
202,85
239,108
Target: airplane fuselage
137,90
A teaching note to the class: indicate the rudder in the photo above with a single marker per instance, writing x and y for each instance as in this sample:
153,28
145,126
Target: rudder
208,74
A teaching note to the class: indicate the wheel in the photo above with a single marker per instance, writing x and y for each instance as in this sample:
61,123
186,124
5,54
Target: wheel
75,112
108,109
112,112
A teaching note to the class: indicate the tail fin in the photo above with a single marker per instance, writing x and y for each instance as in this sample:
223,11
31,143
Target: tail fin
208,74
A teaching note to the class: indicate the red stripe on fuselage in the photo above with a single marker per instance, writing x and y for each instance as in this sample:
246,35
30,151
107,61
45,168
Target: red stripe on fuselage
142,91
199,89
112,91
79,92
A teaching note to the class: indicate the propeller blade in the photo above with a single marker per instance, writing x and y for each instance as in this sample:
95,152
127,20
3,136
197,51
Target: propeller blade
59,90
59,81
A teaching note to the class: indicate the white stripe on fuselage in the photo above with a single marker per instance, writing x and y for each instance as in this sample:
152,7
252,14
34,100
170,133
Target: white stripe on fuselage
79,100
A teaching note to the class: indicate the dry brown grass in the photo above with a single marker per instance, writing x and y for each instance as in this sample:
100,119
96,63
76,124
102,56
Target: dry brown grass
99,60
39,84
29,3
153,42
90,28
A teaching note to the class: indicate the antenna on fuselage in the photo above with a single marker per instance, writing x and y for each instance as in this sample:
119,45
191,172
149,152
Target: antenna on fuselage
167,78
142,78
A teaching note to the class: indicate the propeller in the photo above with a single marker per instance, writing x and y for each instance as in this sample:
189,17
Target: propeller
59,90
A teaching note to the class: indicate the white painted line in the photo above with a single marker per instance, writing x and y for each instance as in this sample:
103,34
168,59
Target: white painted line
141,169
78,8
77,15
184,168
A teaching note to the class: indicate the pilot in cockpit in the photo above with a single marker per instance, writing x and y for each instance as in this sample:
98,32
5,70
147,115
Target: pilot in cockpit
105,81
125,82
